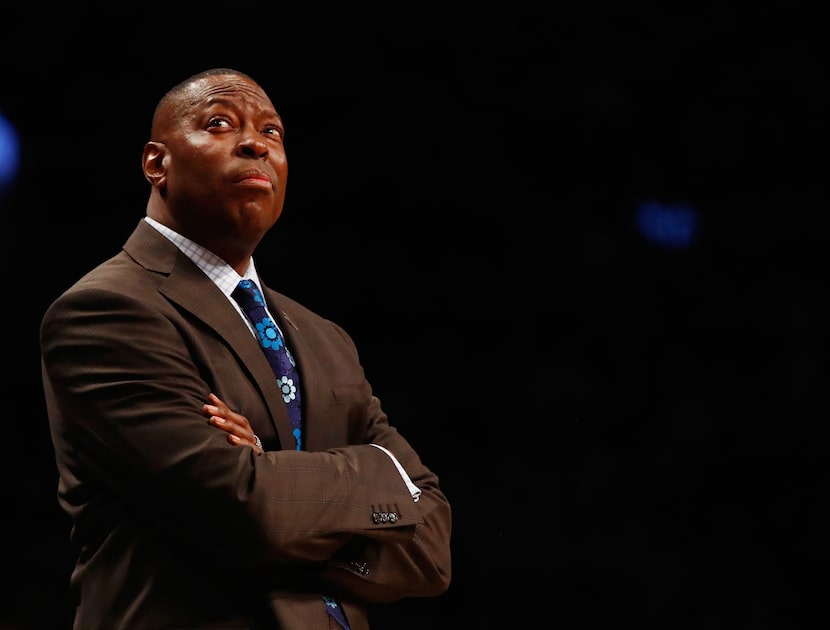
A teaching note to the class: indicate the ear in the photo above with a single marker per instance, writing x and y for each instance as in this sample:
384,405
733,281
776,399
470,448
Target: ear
154,163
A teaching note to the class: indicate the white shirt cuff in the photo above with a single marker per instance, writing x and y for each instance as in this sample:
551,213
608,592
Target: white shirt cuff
413,489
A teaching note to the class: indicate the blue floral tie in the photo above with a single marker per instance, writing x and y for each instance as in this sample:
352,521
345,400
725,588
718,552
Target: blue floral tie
249,297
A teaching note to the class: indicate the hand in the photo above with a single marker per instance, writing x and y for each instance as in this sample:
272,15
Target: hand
236,425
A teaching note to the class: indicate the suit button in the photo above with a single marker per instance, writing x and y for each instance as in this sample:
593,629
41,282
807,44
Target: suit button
385,517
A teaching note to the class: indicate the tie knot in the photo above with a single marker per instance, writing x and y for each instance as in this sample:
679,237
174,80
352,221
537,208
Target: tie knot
248,288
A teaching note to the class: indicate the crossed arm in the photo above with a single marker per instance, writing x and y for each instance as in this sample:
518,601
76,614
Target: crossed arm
240,433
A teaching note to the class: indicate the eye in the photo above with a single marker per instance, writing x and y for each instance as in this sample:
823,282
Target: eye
217,122
273,130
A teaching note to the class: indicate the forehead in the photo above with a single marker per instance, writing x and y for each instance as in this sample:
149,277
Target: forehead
225,88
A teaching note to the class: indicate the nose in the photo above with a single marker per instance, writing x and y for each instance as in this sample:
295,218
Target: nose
252,146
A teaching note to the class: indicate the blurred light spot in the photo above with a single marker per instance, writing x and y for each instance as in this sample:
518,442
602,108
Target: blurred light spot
668,225
9,153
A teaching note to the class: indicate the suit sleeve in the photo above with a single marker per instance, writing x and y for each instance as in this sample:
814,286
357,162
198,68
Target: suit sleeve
379,570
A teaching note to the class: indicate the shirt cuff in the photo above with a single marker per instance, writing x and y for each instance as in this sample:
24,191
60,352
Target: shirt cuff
413,489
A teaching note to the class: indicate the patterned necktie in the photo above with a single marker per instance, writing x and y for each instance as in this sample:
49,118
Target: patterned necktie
249,297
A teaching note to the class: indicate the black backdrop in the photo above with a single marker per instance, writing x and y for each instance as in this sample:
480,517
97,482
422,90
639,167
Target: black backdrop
629,433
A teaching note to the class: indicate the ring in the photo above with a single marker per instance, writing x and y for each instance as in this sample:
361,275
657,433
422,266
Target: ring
257,441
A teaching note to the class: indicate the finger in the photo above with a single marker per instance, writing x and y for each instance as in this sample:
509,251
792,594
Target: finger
218,403
239,441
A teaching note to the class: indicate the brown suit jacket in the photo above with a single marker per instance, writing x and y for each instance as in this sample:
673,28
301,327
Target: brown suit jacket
177,528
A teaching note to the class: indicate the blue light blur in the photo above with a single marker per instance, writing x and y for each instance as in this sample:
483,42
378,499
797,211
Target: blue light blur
673,226
9,154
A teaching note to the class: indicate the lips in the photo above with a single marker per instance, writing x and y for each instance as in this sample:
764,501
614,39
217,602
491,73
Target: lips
254,177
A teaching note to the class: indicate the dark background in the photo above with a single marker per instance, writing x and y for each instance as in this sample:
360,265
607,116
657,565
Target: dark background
630,433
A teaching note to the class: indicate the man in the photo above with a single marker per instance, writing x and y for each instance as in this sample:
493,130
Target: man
194,503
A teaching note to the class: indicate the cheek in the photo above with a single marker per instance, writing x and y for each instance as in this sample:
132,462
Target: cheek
279,160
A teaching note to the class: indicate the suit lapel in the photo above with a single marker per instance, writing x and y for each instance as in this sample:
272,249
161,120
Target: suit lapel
319,432
194,292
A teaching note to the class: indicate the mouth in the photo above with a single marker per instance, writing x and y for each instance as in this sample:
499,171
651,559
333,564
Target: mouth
254,178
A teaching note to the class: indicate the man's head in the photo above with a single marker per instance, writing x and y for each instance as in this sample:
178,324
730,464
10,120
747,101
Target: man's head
216,163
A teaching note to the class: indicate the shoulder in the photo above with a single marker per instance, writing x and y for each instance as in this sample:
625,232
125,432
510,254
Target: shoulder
301,317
